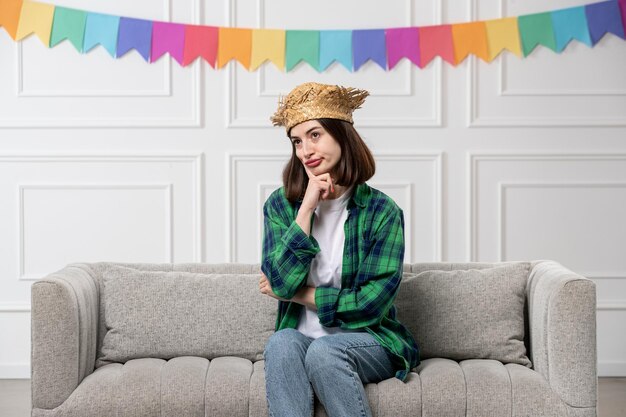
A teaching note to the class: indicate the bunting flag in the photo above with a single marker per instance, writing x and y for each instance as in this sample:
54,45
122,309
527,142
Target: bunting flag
134,34
10,15
68,24
35,18
285,49
201,41
569,24
101,29
335,45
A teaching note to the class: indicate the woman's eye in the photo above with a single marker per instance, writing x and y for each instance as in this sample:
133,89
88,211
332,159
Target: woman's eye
296,142
315,135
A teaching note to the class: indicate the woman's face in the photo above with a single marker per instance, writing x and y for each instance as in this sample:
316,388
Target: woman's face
315,147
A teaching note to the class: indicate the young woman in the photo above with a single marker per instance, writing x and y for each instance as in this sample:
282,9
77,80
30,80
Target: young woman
333,251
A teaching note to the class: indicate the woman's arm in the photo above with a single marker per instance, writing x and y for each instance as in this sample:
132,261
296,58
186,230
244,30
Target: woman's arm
304,296
376,283
287,250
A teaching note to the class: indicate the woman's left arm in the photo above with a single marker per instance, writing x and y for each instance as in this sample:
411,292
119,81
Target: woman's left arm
376,283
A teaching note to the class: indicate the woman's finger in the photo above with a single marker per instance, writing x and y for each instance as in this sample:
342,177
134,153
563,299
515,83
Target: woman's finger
308,171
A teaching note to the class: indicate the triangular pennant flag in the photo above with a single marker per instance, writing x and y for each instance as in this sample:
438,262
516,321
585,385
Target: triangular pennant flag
335,45
536,29
369,44
503,34
10,15
101,29
134,34
168,37
603,18
302,45
436,40
68,24
569,24
402,43
234,43
37,18
201,41
470,38
268,44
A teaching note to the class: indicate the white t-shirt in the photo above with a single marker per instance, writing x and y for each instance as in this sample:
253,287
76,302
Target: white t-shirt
328,230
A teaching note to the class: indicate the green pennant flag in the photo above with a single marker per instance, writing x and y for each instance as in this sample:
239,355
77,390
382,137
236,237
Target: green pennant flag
536,29
302,45
68,24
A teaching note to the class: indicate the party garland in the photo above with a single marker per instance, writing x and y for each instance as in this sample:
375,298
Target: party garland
319,48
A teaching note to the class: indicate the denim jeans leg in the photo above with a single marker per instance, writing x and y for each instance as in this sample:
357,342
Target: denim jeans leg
339,365
288,390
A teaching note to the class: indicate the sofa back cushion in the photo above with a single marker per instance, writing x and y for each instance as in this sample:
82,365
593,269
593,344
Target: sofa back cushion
466,314
165,314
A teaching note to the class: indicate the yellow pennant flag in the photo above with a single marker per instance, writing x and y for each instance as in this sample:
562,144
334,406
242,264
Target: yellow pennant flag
37,18
234,43
268,44
503,34
470,38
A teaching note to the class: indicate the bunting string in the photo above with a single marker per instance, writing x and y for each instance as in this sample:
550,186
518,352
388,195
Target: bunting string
217,45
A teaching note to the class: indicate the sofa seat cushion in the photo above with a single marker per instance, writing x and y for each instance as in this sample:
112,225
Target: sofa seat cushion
231,386
185,386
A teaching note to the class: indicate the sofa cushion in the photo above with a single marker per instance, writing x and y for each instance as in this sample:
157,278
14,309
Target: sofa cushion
467,314
161,314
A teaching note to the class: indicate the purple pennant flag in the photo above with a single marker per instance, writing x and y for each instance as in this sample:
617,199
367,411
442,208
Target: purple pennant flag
402,42
602,18
134,33
168,37
369,44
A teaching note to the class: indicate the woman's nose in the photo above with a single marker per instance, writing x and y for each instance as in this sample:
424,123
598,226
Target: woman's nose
307,149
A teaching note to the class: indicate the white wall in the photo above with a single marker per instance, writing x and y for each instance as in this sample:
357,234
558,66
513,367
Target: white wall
104,159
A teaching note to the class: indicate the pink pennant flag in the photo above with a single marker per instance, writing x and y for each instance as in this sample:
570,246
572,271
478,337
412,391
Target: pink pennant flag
168,37
401,43
436,40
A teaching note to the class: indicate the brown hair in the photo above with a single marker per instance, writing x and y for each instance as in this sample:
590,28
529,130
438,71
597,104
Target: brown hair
356,165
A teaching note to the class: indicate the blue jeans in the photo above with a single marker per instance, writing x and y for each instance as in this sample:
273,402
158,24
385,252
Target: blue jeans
334,366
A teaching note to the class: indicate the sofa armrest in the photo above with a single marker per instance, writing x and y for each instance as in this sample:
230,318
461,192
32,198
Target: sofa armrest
562,322
64,328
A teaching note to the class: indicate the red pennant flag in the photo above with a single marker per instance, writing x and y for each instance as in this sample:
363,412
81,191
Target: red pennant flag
200,41
436,40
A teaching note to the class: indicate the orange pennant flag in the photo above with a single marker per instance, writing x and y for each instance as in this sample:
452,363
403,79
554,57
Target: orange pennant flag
503,34
36,18
234,43
10,15
470,38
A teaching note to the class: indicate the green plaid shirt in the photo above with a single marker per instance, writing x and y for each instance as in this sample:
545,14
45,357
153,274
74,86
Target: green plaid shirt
373,258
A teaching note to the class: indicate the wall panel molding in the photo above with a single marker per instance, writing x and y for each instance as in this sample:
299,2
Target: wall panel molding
196,182
168,219
473,161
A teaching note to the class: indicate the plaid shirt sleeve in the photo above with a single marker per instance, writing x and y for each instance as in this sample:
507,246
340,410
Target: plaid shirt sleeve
376,283
287,250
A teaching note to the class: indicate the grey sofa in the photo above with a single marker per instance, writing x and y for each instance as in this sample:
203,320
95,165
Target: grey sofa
496,339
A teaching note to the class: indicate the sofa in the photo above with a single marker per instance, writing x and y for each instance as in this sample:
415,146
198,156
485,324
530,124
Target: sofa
187,339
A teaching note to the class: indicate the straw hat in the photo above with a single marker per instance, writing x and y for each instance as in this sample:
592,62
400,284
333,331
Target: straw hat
316,101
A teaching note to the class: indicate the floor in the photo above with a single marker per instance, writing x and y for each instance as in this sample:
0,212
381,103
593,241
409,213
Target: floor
15,397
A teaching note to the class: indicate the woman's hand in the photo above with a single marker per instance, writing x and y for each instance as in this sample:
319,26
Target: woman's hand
264,286
319,188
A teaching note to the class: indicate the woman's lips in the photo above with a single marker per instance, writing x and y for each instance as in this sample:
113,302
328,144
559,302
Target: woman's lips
314,163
